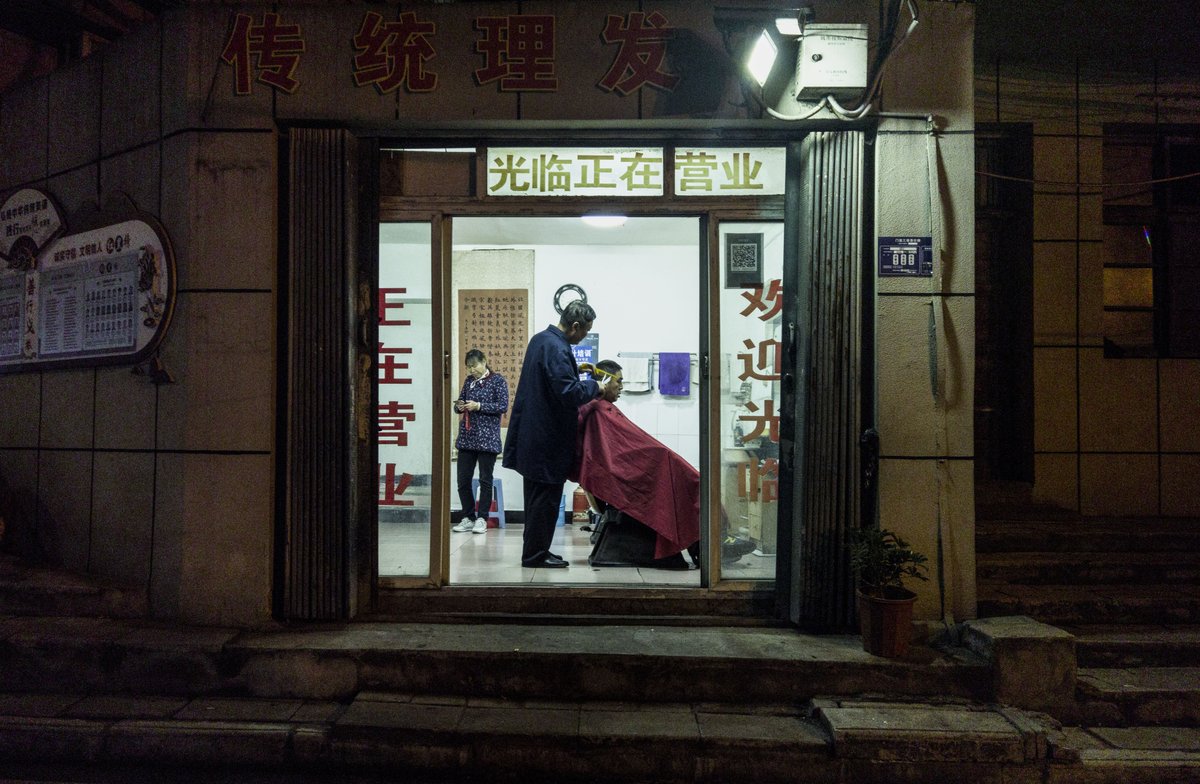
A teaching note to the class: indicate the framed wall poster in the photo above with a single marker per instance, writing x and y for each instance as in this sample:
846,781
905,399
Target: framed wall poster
743,261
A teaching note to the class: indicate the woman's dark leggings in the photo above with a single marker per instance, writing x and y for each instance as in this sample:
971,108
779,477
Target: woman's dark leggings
467,460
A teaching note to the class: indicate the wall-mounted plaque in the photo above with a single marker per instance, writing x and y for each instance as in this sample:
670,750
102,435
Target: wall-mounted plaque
101,296
901,257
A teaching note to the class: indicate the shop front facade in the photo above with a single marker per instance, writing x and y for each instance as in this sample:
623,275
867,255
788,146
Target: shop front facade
357,195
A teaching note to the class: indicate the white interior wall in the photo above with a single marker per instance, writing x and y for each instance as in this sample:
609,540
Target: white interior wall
647,299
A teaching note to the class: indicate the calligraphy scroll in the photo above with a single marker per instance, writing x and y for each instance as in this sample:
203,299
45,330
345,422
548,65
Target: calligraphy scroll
495,321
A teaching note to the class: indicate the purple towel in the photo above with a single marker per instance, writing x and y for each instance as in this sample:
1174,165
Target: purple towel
674,373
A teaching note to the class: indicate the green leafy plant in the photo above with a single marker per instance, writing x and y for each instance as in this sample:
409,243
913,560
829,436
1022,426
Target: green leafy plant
881,560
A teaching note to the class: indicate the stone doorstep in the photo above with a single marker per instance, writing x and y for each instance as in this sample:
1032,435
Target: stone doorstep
909,742
91,655
919,732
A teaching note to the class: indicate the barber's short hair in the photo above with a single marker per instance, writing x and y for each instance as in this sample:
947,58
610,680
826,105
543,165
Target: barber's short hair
473,356
577,310
608,366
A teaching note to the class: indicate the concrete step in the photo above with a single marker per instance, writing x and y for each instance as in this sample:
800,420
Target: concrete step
35,591
1088,568
434,739
631,663
1113,535
453,738
1123,755
582,604
1139,696
1136,645
1098,604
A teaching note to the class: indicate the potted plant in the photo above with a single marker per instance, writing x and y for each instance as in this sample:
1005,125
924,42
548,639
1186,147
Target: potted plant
881,560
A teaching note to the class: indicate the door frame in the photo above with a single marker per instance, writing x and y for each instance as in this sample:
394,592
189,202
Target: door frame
442,210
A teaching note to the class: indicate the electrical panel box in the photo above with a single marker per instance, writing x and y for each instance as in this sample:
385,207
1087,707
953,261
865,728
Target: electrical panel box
832,60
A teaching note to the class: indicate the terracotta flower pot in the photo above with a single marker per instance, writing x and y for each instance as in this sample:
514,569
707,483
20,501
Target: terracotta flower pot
886,622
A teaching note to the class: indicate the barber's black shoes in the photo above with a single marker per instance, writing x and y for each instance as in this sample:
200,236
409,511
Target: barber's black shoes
548,561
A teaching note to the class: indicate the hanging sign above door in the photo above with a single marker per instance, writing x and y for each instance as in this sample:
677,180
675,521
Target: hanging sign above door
570,171
622,172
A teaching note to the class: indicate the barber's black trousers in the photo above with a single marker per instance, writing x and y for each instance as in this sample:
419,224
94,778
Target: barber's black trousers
541,515
467,460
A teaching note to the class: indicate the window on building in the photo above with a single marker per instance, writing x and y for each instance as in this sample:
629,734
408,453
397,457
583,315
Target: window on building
1003,303
1151,241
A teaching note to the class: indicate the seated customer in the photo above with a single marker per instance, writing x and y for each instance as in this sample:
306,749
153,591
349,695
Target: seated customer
627,467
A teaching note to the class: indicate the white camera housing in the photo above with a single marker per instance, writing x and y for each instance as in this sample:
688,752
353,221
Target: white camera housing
832,60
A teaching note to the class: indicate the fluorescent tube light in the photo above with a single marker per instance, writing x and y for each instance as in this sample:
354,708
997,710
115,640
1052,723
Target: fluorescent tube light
604,221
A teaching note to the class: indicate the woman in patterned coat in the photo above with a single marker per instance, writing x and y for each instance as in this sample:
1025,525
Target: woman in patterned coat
483,400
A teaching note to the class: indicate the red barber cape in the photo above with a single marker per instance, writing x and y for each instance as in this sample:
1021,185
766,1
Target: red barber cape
617,461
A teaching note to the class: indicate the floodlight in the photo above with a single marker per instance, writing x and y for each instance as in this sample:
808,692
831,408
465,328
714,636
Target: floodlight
762,57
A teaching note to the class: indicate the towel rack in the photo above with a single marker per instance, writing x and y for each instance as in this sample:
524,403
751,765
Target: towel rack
653,355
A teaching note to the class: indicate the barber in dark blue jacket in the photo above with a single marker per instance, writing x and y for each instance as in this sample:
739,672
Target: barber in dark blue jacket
541,433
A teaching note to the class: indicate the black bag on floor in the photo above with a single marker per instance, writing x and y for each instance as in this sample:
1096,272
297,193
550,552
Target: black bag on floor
620,540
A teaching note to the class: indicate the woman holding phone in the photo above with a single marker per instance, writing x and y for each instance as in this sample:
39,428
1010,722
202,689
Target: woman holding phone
483,400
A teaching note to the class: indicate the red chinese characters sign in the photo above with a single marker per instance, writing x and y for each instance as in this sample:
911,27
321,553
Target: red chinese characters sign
643,48
268,50
391,54
516,52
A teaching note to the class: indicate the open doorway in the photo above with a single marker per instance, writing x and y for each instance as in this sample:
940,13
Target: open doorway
643,277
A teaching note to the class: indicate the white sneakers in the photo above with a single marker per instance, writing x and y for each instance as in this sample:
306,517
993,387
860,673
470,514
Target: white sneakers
474,526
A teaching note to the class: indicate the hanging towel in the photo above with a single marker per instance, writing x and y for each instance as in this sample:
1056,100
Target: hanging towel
635,373
674,373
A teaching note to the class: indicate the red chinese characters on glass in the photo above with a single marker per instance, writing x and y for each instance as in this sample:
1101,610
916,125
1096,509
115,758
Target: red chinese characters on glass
390,366
391,54
271,49
518,51
392,416
759,478
767,360
385,306
643,47
766,422
393,486
770,305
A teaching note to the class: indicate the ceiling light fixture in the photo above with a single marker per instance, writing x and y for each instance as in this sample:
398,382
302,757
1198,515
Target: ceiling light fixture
604,221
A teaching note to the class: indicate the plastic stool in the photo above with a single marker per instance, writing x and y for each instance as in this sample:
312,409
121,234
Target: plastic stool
562,506
496,513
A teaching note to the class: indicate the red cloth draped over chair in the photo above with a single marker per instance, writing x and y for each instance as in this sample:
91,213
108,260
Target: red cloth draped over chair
617,461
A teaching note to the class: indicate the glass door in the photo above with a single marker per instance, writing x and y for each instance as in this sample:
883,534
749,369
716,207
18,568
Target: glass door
408,379
748,370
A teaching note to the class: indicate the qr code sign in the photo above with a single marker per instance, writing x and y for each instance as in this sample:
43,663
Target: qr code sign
743,257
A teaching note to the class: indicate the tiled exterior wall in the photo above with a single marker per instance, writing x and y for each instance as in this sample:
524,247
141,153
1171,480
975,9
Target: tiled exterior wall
168,487
1111,436
172,486
924,187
